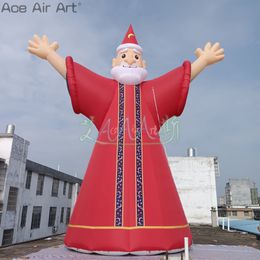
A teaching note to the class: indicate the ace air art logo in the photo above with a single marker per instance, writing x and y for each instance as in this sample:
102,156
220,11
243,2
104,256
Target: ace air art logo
40,8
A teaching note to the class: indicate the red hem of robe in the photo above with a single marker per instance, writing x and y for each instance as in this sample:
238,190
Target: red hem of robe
127,240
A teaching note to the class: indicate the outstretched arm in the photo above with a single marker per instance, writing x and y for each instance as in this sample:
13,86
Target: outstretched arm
41,48
210,55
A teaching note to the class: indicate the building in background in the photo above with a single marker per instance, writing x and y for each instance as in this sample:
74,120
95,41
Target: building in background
241,192
195,179
236,212
238,193
35,201
222,200
254,194
241,197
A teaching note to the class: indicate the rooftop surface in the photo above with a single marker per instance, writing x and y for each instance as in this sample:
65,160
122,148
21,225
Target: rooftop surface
197,252
205,240
250,225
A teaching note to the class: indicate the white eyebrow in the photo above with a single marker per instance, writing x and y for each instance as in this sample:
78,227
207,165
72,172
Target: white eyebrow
138,52
123,50
135,50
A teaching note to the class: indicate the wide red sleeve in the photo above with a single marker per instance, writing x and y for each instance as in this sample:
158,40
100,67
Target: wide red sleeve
166,95
91,94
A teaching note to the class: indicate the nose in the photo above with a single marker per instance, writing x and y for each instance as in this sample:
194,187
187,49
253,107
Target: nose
130,59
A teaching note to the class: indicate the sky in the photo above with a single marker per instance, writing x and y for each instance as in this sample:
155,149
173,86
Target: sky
221,117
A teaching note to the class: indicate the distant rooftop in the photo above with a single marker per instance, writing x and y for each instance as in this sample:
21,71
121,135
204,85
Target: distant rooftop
42,169
6,135
238,180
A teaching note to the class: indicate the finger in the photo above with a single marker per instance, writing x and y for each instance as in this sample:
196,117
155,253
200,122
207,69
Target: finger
220,57
216,46
220,51
36,38
198,52
207,46
33,44
45,39
54,46
32,50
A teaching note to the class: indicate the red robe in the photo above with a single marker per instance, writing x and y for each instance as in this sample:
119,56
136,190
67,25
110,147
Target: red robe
128,201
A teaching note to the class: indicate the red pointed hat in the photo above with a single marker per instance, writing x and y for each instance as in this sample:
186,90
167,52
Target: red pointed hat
129,41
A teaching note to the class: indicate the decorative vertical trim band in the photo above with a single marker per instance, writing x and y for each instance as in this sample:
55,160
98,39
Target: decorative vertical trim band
139,164
120,158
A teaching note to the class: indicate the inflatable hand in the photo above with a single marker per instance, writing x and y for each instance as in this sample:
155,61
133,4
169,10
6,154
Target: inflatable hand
41,47
211,54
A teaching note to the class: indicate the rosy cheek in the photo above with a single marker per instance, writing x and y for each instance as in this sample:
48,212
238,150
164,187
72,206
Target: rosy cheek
118,62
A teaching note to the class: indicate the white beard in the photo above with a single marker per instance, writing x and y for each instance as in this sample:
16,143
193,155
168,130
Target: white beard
130,75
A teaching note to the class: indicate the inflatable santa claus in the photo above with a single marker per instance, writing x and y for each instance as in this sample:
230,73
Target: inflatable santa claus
128,202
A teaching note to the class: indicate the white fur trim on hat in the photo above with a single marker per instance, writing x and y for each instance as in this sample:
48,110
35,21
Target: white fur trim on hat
129,45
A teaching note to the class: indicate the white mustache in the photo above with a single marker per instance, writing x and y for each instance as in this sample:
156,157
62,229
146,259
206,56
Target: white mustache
124,73
126,65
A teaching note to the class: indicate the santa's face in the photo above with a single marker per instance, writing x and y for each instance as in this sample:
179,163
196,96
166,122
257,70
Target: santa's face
129,67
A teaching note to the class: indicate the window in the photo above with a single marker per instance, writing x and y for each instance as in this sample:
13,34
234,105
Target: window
234,213
64,187
12,199
68,216
246,213
52,216
40,183
70,191
24,214
36,217
28,180
7,237
62,215
55,187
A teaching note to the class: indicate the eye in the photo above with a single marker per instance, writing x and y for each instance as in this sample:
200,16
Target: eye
136,57
123,56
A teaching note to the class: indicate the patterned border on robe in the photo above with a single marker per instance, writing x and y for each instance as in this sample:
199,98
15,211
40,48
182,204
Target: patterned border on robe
120,157
139,159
